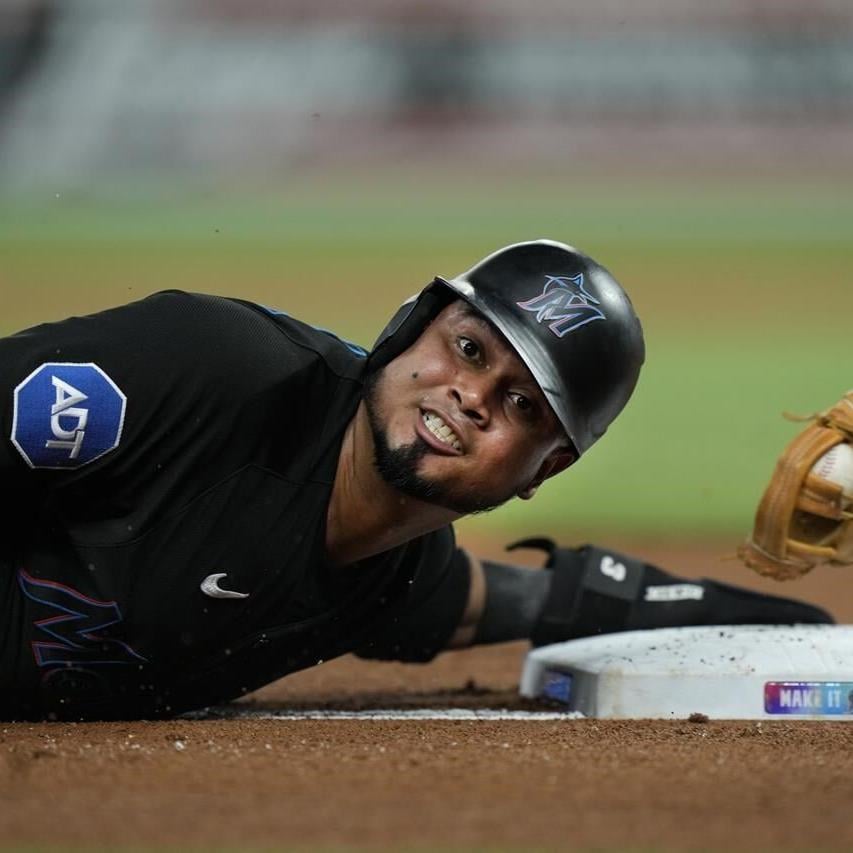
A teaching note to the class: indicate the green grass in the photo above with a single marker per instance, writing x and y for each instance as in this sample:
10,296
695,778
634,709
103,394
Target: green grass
745,294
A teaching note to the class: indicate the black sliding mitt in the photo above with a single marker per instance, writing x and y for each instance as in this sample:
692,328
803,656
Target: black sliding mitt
598,591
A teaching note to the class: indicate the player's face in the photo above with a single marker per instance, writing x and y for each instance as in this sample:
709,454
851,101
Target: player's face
458,420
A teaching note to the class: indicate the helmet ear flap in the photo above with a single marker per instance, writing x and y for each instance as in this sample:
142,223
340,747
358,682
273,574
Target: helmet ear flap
409,322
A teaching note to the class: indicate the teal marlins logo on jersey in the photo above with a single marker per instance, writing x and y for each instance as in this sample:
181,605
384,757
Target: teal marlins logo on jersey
75,629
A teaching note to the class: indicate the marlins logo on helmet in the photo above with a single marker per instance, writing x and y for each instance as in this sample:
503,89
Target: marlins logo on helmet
564,300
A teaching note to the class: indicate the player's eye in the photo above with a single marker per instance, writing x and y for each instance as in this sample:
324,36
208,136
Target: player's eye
522,403
470,349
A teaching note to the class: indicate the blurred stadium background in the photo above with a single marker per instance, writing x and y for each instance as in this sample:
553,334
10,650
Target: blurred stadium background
331,157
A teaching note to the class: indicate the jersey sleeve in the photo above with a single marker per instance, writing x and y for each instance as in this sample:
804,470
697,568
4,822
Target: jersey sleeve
73,390
59,408
145,403
426,619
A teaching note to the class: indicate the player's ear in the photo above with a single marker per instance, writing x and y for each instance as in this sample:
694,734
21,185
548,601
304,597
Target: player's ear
556,461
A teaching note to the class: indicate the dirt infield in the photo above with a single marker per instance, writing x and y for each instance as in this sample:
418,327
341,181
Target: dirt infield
253,783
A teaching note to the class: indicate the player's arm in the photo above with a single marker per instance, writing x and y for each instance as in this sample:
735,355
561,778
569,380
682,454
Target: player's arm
463,636
590,590
504,603
580,592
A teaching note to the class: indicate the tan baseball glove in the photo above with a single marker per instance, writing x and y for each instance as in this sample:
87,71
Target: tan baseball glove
805,518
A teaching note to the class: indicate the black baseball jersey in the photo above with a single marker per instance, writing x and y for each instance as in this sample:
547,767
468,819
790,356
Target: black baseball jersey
169,464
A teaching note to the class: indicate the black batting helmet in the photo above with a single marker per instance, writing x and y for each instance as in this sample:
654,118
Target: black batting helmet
565,315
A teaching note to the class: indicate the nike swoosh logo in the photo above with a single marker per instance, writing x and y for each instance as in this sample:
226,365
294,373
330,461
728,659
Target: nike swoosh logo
210,586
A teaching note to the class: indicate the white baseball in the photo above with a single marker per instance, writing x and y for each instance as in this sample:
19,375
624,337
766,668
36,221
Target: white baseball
836,465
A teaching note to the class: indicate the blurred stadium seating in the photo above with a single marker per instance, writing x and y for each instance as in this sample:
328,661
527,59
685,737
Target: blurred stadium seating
205,88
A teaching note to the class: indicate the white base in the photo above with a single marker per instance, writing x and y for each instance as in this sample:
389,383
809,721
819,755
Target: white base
742,672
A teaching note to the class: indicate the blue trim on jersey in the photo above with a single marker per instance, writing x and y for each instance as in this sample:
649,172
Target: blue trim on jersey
355,349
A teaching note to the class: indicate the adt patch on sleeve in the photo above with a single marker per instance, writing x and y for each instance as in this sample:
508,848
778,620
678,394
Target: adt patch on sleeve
67,415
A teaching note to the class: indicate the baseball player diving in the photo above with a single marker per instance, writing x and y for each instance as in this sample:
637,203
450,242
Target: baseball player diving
205,494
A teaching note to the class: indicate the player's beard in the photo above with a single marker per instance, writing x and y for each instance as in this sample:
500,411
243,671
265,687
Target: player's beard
398,466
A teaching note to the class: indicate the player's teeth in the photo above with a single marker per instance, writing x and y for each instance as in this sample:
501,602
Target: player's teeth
441,430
